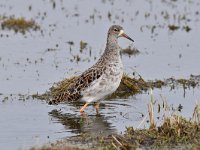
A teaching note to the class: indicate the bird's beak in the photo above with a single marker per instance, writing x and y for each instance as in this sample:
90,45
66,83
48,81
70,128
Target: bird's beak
122,34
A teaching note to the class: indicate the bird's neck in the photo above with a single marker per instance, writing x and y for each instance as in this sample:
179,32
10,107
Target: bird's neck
112,44
112,50
112,40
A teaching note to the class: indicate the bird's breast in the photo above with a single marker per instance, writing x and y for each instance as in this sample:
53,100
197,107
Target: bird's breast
115,67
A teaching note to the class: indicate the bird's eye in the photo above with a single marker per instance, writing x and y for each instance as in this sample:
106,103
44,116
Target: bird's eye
115,29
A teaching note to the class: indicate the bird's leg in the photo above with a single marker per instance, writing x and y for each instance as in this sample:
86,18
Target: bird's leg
97,107
82,108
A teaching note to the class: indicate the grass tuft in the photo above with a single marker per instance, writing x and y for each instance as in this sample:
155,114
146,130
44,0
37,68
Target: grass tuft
19,24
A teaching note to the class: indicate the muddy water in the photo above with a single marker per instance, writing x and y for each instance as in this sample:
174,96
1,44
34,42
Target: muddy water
32,62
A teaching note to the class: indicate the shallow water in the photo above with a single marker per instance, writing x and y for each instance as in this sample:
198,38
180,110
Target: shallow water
32,62
31,122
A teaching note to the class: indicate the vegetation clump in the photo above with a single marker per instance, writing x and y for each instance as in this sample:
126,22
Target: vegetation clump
19,24
130,51
187,83
173,27
175,132
169,134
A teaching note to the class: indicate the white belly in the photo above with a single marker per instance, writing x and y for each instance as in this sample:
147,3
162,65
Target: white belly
105,85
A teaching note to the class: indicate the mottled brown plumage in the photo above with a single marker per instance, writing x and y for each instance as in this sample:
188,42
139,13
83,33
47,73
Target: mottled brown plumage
73,93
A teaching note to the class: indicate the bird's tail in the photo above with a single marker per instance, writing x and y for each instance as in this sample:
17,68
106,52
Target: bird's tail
58,99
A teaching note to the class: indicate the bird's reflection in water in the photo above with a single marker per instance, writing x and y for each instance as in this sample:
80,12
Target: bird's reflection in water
94,125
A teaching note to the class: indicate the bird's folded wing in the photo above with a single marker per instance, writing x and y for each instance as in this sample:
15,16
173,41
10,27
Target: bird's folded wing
73,92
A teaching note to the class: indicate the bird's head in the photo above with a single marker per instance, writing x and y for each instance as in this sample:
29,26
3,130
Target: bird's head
118,31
